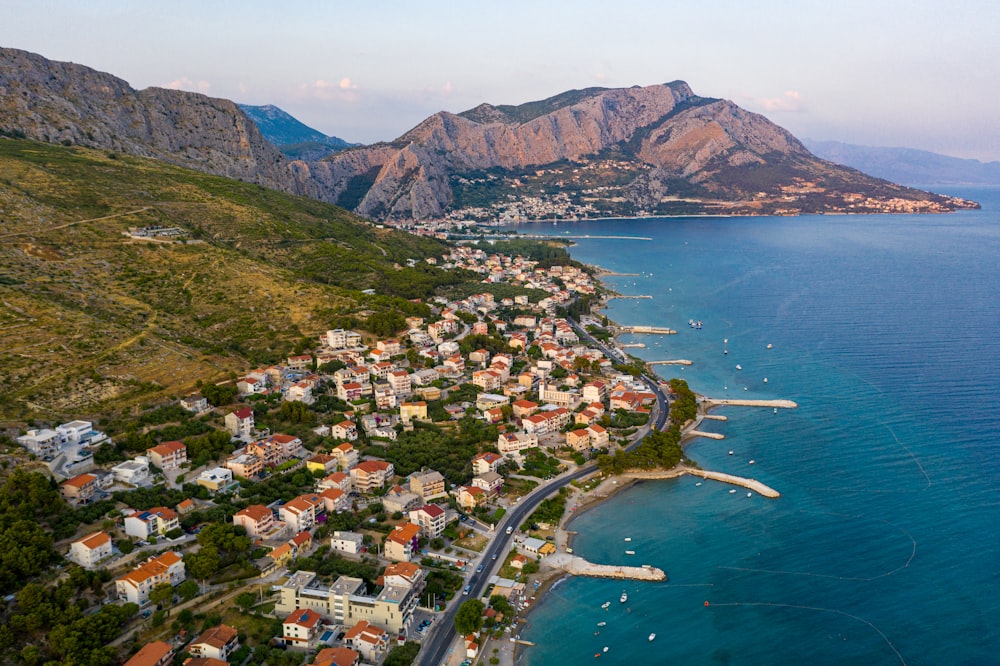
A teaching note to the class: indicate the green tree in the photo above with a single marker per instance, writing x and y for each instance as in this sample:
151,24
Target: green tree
187,590
245,600
469,618
162,594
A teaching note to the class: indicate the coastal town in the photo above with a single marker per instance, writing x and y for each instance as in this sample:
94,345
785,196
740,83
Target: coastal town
345,505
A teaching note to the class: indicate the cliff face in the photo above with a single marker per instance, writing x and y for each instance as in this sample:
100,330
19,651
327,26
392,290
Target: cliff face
630,151
67,103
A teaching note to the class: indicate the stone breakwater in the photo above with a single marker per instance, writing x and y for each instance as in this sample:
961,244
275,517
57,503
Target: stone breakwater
750,484
578,566
780,404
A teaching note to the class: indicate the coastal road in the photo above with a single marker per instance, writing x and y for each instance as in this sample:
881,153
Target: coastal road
434,651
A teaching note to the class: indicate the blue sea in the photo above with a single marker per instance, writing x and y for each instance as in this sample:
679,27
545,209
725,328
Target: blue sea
884,547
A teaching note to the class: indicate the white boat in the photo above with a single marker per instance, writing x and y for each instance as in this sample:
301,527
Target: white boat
602,623
630,552
739,367
698,484
749,494
628,538
730,452
732,491
605,605
752,462
770,346
775,410
624,597
725,341
605,649
652,637
765,380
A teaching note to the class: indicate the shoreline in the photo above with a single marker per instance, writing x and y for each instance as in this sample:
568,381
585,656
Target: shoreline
551,575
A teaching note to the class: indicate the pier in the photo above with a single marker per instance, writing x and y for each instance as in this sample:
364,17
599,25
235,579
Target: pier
634,345
657,330
751,484
578,566
710,435
679,361
715,417
628,296
780,404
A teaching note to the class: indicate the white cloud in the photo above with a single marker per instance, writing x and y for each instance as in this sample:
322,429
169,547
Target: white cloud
341,91
184,83
791,100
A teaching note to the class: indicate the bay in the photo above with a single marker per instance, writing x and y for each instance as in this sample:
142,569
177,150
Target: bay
883,548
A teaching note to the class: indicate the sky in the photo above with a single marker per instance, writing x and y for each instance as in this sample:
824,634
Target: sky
916,73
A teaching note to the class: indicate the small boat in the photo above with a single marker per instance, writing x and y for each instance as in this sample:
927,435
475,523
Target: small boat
628,538
605,649
730,452
765,380
624,597
739,367
630,552
725,351
602,623
732,491
698,484
725,341
770,346
749,494
652,637
775,410
753,462
605,605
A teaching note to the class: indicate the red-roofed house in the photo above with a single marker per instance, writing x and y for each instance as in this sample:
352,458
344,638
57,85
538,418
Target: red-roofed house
486,462
469,497
80,489
91,549
344,430
371,641
134,587
337,656
240,423
257,519
371,474
216,643
334,499
431,518
300,513
401,542
168,455
301,628
156,653
341,480
403,574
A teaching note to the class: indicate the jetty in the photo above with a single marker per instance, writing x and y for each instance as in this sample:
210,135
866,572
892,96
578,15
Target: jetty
661,474
751,484
715,417
780,404
634,345
656,330
578,566
702,433
679,361
630,296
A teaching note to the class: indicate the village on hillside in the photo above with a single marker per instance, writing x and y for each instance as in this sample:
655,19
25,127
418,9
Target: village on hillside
331,505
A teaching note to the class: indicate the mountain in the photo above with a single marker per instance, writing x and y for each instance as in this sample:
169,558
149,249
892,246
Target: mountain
658,149
94,319
594,152
907,165
293,138
66,103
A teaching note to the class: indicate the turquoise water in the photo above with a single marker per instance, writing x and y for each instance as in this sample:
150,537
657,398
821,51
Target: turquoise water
883,548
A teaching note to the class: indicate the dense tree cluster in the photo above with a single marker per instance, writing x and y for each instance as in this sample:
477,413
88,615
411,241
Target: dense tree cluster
444,450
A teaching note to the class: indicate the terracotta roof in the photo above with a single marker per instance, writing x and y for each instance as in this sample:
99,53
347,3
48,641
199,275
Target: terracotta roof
336,656
150,654
304,618
80,480
404,533
166,448
245,413
432,510
95,540
217,637
255,512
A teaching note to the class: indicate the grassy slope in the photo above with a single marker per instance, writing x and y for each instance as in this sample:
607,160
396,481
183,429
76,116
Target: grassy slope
91,320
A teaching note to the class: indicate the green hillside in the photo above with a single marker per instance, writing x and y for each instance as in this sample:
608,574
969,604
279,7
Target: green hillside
92,319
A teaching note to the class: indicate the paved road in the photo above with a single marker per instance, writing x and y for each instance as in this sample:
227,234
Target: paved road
442,634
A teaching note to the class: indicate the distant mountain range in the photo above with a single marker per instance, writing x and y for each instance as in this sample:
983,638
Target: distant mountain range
909,166
658,149
293,138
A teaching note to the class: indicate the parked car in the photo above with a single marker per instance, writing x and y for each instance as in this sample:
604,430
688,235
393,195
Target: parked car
468,588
